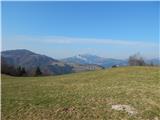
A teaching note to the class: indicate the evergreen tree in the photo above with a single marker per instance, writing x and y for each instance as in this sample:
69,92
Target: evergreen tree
19,69
23,71
38,71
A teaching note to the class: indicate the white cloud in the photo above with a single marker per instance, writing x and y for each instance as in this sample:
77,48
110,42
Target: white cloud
60,47
60,40
91,41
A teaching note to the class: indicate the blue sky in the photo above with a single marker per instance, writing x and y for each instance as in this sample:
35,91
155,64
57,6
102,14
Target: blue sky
63,29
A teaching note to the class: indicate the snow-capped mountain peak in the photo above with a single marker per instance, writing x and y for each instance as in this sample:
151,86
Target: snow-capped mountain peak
81,57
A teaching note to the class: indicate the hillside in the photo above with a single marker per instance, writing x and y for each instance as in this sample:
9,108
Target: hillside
48,65
84,96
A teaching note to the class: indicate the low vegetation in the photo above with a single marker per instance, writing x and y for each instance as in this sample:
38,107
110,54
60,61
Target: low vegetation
84,96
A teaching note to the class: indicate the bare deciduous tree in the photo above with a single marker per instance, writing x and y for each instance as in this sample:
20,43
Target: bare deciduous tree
136,60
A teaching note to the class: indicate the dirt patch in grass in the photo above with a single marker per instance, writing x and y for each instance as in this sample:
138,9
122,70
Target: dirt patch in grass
130,110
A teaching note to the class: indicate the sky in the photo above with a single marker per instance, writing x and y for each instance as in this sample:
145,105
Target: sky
64,29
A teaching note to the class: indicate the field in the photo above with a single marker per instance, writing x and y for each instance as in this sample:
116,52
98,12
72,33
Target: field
84,96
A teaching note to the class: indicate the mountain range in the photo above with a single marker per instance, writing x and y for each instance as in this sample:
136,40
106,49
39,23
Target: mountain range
51,66
93,59
105,62
48,65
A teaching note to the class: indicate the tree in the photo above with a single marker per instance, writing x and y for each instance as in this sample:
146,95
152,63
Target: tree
38,71
12,70
136,60
23,71
19,71
7,69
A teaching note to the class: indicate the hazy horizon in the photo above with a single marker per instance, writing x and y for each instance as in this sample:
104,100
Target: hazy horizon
92,54
65,29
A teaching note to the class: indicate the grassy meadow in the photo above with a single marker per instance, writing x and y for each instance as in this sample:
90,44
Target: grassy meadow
83,96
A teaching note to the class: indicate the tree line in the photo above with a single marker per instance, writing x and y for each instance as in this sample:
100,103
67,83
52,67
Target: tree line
18,71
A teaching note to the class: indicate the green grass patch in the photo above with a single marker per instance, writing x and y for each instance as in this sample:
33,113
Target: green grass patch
83,96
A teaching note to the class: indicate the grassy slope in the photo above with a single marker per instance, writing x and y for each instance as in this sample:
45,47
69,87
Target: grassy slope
87,95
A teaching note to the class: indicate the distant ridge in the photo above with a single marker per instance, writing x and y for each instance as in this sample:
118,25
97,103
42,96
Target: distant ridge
48,65
51,66
104,62
93,59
